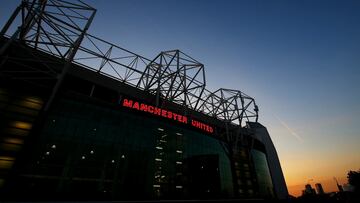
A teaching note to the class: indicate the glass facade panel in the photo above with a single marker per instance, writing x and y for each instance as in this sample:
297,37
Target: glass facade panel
263,173
92,151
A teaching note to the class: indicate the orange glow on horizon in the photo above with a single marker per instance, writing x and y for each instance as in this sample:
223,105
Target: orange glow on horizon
314,166
329,185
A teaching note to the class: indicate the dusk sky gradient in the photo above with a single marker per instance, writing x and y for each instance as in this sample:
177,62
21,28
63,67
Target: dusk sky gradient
300,60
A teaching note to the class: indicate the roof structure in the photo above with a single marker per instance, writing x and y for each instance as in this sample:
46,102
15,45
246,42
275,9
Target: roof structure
59,28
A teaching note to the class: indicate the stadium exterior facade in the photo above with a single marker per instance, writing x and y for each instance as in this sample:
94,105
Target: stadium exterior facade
82,118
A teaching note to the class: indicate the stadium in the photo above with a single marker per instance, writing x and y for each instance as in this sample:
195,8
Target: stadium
85,119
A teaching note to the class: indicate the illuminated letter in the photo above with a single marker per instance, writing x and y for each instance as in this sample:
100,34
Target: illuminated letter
169,114
163,113
184,120
207,128
198,124
175,116
157,111
136,105
193,123
150,109
143,107
203,126
127,103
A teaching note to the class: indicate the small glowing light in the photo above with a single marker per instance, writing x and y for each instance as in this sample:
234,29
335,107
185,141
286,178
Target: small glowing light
53,146
94,129
34,99
156,185
91,152
179,151
31,104
6,163
179,134
179,187
47,153
7,158
202,167
160,129
164,136
83,157
158,147
157,159
123,156
22,125
14,140
163,141
178,162
54,121
162,176
113,161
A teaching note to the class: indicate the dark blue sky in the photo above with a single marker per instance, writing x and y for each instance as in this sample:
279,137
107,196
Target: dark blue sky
299,59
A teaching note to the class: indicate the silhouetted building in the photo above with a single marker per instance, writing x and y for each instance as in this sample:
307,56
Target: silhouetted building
340,188
319,189
309,190
109,130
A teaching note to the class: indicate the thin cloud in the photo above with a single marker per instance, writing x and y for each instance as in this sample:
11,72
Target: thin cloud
292,132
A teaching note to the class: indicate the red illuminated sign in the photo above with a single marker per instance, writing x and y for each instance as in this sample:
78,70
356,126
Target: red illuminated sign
165,114
202,126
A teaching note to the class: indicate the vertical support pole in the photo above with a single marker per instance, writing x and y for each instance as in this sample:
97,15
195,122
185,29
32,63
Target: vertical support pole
158,81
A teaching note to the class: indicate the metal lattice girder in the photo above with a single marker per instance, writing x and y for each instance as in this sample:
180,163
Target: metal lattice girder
111,60
56,27
175,77
52,26
230,105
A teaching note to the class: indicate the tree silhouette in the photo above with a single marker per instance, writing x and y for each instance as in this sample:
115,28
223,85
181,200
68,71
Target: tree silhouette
354,179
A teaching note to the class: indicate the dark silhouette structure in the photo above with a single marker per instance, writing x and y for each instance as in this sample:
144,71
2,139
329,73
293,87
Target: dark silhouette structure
354,180
319,189
82,118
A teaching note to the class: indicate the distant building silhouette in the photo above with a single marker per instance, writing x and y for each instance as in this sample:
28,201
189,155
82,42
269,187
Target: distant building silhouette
319,189
339,186
309,190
